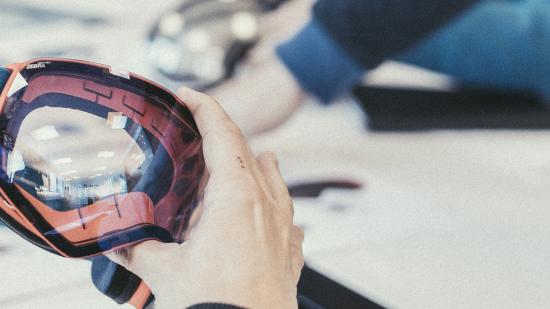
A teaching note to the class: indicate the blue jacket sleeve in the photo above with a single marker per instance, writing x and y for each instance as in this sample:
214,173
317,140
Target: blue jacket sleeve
319,64
346,37
495,44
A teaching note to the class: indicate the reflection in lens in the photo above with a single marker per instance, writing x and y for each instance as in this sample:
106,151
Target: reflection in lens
66,170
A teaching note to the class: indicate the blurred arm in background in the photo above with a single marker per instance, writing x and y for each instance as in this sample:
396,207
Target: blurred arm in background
328,56
494,43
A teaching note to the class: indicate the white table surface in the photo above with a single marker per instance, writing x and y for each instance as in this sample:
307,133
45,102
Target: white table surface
447,219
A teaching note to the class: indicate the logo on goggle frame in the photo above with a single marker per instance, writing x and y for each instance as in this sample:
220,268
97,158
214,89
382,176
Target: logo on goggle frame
38,65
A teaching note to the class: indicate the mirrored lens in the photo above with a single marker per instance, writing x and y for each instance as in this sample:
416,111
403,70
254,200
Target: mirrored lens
96,160
71,158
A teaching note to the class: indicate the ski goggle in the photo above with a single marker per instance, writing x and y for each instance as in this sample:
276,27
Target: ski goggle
93,158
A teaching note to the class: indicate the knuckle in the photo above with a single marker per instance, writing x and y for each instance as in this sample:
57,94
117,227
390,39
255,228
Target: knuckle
233,129
288,201
299,254
183,91
267,156
227,128
269,159
302,262
299,233
212,101
251,199
287,207
203,96
259,201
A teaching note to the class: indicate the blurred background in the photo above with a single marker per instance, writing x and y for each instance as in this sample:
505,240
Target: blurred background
416,189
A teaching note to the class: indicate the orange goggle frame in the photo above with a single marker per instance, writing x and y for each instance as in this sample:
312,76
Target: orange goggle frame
127,218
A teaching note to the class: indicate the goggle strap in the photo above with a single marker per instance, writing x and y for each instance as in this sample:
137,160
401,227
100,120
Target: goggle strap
4,77
118,283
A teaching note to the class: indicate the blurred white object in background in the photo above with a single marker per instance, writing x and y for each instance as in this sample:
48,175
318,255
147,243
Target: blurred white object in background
111,32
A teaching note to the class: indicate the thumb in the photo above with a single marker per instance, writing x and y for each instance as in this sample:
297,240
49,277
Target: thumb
143,258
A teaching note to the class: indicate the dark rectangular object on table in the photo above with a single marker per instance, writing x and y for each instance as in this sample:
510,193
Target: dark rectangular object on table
393,109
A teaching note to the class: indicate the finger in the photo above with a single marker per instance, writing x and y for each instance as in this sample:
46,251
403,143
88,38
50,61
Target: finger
296,251
298,263
224,146
297,236
267,162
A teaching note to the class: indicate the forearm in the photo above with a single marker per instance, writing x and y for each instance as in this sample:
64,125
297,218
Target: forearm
500,44
373,30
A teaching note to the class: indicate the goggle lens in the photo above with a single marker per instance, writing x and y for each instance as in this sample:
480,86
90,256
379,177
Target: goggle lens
97,161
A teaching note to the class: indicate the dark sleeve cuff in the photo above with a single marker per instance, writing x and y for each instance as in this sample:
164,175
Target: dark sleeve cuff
214,306
303,303
319,64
